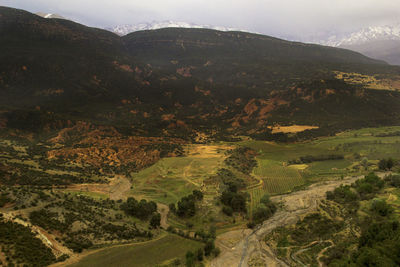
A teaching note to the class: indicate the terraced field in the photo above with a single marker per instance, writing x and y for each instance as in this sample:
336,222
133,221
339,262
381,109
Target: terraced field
172,178
276,177
255,196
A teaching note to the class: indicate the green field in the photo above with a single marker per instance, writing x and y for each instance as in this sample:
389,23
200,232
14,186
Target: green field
172,178
148,253
255,196
276,177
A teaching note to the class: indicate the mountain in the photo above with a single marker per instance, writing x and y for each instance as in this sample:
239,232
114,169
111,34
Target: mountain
381,42
49,15
155,25
182,82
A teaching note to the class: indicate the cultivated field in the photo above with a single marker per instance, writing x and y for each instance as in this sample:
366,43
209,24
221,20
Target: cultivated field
172,178
149,253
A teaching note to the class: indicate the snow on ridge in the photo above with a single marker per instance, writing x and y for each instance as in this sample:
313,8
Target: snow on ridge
128,28
365,35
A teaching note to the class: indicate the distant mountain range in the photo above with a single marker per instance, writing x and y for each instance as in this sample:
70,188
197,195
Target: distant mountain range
128,28
380,42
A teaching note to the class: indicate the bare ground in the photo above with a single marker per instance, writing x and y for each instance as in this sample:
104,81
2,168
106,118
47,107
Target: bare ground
163,210
116,189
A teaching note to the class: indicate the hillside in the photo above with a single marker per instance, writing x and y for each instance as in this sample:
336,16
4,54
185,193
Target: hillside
387,50
218,83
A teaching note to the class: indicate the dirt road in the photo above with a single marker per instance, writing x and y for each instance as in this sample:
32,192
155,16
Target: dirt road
245,247
116,189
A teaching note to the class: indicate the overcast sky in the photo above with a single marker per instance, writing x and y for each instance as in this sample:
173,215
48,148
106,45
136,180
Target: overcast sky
296,18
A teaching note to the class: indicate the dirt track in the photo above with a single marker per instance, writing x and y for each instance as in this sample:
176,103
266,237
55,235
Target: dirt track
246,247
115,190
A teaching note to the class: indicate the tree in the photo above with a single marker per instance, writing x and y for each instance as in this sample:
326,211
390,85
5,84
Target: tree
227,210
364,163
208,248
386,164
200,254
172,207
198,194
381,207
265,199
389,164
186,207
189,259
155,220
382,164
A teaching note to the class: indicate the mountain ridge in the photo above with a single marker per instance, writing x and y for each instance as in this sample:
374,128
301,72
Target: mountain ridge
125,29
179,81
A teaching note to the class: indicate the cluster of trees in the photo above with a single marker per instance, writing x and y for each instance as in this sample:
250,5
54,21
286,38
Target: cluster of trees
230,180
208,238
140,209
48,220
362,189
310,158
264,211
233,201
393,180
378,244
386,164
29,176
314,227
165,148
22,247
186,206
77,243
242,159
63,210
380,231
192,258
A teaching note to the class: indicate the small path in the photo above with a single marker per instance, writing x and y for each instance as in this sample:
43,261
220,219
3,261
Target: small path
163,210
186,176
321,253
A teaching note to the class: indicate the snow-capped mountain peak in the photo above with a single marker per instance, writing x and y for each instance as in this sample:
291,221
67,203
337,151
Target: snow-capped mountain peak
128,28
49,15
365,35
